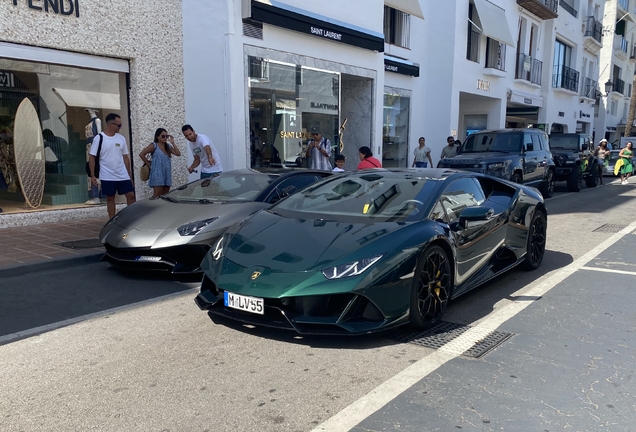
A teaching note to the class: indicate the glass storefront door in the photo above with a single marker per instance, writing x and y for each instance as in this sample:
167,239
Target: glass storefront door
395,131
286,102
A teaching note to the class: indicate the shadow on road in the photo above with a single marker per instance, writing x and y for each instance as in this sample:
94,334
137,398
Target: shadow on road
605,197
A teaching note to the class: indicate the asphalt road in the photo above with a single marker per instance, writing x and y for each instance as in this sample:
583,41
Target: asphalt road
131,353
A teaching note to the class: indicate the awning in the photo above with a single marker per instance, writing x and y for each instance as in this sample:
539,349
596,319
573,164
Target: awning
411,7
493,22
87,99
525,98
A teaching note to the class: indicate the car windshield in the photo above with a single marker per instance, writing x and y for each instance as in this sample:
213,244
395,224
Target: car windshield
377,196
492,142
226,187
564,142
614,155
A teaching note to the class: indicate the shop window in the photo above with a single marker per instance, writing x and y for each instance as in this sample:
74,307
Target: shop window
286,102
62,96
474,33
495,54
395,131
397,27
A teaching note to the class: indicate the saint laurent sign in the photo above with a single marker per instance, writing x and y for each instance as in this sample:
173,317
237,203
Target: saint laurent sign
61,7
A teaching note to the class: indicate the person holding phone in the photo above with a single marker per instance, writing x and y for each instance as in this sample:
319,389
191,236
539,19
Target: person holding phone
161,149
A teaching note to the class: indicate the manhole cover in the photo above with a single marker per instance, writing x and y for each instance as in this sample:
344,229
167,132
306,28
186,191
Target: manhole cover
445,332
610,228
82,244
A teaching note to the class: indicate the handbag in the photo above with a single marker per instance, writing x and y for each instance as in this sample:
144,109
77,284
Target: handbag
144,172
99,151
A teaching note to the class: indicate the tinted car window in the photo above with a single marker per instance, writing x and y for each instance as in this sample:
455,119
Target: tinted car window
291,185
492,142
536,142
460,194
528,145
227,186
564,142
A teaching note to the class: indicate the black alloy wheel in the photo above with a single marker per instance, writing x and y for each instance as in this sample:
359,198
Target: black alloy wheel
516,178
592,179
535,248
432,288
547,189
575,182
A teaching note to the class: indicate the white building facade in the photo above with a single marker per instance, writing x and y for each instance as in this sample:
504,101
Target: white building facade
270,72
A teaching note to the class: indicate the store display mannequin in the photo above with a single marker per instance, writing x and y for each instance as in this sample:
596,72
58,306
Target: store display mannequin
93,128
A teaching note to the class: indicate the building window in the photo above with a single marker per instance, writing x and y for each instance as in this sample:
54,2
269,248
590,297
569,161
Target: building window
614,108
395,131
495,54
286,102
397,27
472,44
563,76
61,96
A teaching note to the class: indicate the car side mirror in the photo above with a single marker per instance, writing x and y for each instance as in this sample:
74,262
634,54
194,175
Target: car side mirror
529,147
472,217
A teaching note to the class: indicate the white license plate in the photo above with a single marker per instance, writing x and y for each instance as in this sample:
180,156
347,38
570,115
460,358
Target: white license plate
244,303
148,258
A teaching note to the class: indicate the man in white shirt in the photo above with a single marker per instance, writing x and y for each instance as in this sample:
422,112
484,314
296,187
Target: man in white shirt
204,153
114,164
450,150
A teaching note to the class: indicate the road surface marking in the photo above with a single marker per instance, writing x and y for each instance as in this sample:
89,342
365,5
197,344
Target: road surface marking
605,270
373,401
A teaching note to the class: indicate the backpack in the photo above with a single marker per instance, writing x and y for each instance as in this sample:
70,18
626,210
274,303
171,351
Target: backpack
99,150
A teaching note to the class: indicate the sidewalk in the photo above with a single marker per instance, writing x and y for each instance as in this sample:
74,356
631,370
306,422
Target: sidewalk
47,245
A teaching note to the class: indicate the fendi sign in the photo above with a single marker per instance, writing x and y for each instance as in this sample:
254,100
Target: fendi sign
61,7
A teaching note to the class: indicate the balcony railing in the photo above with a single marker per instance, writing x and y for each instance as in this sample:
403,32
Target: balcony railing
495,55
619,86
589,88
569,8
624,4
593,28
544,9
528,69
565,78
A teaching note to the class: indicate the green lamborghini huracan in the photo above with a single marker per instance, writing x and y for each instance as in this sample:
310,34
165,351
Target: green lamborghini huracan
370,250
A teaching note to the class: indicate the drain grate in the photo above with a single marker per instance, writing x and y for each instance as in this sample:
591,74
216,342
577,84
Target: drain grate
487,344
610,228
82,244
445,332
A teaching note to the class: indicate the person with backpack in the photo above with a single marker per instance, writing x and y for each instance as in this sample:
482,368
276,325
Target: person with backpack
161,164
109,161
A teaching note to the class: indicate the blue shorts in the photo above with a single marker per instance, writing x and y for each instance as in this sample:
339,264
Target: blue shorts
121,187
421,164
208,175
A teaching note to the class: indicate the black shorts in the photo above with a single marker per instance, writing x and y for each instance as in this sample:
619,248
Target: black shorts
121,187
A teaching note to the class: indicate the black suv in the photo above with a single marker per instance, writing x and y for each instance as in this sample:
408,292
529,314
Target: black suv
519,155
574,160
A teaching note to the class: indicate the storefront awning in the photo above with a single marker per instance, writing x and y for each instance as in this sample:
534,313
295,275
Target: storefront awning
411,7
525,98
87,99
493,22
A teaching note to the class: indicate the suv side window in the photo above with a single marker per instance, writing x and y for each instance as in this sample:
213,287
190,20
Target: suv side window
545,144
527,142
536,142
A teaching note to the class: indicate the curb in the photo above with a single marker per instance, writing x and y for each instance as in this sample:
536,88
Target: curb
53,264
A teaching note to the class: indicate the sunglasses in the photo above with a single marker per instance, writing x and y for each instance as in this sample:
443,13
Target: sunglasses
117,124
163,136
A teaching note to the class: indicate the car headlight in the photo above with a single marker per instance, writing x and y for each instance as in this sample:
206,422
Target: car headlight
217,250
495,166
354,268
192,228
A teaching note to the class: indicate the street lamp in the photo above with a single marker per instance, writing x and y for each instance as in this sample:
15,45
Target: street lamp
609,85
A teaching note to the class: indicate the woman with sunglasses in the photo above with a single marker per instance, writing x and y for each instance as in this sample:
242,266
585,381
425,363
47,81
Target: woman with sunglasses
161,164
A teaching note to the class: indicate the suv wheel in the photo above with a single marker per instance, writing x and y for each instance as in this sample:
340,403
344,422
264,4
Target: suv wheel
547,188
516,178
575,182
592,179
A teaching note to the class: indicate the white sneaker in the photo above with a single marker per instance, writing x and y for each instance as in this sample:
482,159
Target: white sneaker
93,201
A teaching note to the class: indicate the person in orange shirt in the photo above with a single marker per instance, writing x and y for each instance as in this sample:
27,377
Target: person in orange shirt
367,160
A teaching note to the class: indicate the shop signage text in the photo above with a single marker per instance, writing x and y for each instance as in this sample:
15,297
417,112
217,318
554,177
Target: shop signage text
483,85
324,106
6,79
582,114
297,135
401,68
61,7
527,100
326,33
